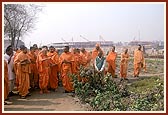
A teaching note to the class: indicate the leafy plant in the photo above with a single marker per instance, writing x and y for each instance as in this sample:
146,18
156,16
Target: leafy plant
103,93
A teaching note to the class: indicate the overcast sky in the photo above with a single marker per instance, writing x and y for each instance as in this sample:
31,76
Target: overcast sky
113,21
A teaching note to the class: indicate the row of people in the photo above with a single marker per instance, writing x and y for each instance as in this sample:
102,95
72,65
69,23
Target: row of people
43,68
110,59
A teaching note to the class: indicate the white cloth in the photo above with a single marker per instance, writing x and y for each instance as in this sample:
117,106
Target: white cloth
103,66
11,85
11,74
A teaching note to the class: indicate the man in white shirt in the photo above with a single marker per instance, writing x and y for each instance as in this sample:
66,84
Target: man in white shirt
11,75
99,63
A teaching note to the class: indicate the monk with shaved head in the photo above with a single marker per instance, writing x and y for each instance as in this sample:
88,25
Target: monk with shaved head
66,62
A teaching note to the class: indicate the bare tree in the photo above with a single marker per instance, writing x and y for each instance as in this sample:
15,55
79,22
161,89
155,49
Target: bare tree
19,19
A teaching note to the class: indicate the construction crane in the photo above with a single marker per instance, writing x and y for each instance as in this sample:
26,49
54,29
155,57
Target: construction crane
64,40
84,38
134,38
101,38
72,40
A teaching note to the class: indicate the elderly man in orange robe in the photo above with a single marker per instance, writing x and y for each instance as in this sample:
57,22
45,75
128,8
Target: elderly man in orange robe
124,64
34,75
77,62
96,51
111,60
36,49
17,51
139,61
85,57
23,71
43,62
66,61
53,78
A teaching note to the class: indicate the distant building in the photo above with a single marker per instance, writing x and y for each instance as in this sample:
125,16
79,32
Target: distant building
148,44
90,44
144,43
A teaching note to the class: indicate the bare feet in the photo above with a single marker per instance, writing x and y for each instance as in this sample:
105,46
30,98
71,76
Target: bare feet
56,90
46,91
41,92
7,103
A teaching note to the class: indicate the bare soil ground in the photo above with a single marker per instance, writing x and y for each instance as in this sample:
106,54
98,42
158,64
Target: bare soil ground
53,101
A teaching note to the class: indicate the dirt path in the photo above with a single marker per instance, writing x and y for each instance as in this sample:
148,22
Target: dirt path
54,101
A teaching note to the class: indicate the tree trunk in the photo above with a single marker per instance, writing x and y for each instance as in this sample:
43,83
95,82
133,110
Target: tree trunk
13,42
13,38
18,38
17,42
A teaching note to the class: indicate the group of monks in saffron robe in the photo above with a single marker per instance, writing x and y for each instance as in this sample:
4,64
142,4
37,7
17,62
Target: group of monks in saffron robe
44,67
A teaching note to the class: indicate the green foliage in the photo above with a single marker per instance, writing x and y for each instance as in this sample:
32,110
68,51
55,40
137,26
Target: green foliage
103,93
99,91
153,100
144,85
